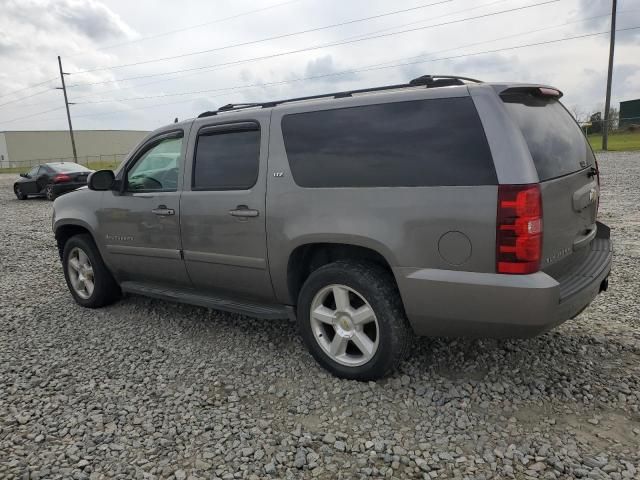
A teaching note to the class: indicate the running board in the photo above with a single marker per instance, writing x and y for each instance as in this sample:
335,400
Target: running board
191,297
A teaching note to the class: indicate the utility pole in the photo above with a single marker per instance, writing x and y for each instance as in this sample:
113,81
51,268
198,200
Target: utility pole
607,102
66,104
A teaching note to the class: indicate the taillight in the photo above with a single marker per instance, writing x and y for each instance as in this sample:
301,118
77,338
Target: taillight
519,229
61,178
549,92
598,180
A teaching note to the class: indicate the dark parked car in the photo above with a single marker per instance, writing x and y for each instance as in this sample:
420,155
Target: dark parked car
50,180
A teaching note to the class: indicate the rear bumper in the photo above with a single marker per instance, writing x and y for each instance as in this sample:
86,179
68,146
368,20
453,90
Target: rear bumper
455,303
60,188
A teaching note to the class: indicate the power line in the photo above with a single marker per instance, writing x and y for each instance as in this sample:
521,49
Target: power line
317,47
377,31
347,38
370,68
343,72
206,67
380,66
27,88
164,104
191,27
170,32
373,67
386,29
24,98
32,115
425,20
276,37
416,56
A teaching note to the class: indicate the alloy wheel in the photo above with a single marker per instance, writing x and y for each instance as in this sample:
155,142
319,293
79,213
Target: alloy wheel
81,273
344,325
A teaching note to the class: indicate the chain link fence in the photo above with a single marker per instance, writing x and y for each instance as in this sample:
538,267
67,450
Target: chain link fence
94,162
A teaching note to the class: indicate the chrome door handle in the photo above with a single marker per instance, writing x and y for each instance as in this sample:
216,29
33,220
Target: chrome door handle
163,211
244,212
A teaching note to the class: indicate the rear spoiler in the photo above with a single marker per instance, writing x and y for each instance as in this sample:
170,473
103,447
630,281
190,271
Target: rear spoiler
536,90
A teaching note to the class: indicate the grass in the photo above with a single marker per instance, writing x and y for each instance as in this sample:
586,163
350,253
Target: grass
618,142
91,165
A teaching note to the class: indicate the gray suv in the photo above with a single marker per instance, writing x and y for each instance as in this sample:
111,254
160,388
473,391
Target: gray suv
441,207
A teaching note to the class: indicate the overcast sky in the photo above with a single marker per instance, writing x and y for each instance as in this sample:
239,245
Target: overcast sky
94,34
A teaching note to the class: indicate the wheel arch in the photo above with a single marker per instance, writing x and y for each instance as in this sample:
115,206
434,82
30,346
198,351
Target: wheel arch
308,257
63,232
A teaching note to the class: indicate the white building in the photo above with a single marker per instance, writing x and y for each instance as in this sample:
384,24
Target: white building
27,148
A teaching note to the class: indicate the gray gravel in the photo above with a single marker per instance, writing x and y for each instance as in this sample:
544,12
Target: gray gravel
148,389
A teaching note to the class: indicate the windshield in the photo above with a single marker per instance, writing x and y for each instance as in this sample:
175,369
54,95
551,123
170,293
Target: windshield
555,141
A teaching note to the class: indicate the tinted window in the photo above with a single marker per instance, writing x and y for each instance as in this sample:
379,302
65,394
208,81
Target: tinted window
417,143
227,160
68,167
555,141
34,171
157,168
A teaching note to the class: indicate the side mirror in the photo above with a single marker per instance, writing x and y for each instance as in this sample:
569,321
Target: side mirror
101,180
24,175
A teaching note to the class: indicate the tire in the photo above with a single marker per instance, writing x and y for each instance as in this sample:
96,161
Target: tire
105,289
49,192
367,285
20,195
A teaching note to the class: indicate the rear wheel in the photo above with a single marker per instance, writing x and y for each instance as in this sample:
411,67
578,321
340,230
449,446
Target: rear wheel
20,195
88,278
352,320
50,192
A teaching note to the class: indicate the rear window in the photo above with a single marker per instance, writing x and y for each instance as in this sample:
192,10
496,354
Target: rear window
555,141
227,160
68,167
416,143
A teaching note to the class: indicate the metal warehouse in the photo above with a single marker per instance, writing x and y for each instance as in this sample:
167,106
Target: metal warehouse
26,148
629,113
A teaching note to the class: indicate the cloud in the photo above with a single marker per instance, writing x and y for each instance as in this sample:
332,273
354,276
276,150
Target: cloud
472,66
628,16
325,67
33,32
91,18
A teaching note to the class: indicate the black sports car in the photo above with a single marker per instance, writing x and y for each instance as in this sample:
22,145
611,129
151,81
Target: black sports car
50,180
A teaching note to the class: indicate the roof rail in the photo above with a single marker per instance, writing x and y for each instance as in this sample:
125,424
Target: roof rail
428,81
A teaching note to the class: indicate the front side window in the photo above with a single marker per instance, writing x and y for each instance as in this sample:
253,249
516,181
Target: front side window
227,160
34,171
157,168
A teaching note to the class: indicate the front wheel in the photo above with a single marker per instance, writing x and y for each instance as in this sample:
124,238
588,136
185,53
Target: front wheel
20,195
88,278
352,320
50,192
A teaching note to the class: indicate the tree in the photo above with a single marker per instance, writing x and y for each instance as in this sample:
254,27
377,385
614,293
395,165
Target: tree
614,118
578,113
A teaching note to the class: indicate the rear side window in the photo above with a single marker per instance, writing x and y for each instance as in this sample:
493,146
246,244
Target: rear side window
227,160
555,141
416,143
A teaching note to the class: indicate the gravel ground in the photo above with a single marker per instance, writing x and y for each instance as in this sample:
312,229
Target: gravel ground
149,389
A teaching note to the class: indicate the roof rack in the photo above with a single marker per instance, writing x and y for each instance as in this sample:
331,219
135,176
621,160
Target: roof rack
428,81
